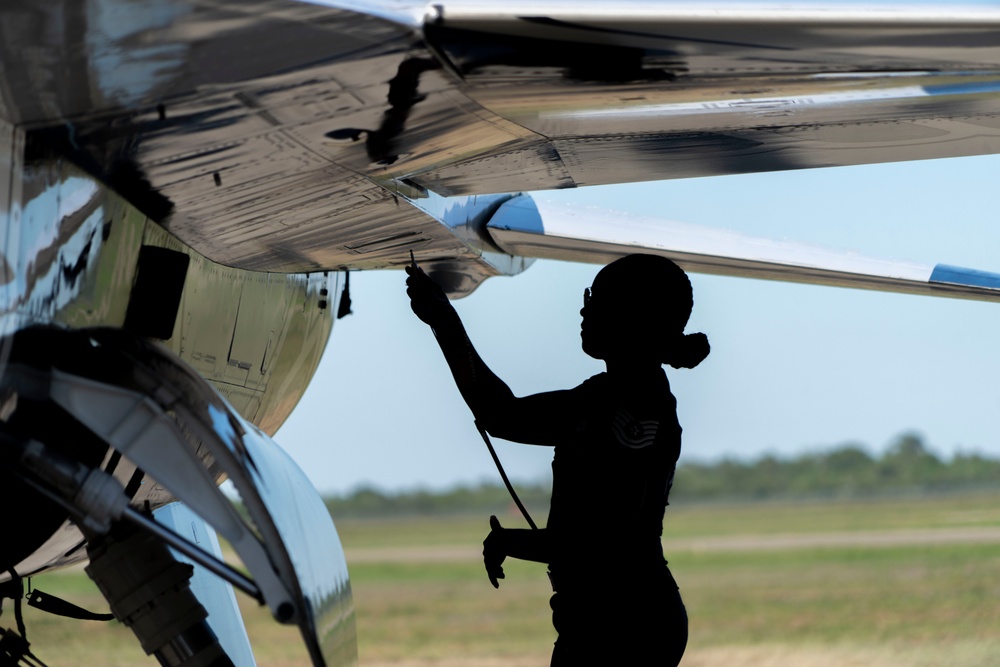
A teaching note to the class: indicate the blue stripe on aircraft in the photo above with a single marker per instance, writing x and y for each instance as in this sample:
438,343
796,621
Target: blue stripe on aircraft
519,213
978,87
956,275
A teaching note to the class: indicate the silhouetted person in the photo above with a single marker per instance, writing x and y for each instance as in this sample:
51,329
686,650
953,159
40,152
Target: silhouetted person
616,440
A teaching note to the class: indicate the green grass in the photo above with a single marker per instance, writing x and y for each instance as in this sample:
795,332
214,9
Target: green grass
914,604
981,510
899,595
416,531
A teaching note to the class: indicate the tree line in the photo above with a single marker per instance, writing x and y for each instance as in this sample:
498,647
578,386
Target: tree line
848,471
907,466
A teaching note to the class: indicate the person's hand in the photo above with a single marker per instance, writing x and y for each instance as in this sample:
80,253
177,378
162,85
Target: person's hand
427,299
494,552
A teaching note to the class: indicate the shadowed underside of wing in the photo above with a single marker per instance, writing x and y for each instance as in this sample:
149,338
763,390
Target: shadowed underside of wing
286,136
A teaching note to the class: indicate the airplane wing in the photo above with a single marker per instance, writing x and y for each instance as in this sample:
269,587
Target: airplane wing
201,173
285,136
526,227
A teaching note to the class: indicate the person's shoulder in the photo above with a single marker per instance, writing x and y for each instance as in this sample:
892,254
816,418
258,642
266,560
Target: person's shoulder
593,383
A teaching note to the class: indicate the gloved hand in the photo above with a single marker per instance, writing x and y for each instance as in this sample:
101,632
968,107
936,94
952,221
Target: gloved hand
494,552
427,299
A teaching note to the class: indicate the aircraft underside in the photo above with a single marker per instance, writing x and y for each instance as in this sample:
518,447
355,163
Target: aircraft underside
137,373
185,183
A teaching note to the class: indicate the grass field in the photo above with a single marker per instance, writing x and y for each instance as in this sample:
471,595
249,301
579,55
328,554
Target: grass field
904,583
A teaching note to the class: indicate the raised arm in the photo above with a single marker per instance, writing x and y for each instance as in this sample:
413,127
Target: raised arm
533,419
483,391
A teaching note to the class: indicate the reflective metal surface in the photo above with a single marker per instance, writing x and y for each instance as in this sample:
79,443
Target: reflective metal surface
213,593
313,546
285,136
225,141
528,228
269,141
295,528
70,255
135,396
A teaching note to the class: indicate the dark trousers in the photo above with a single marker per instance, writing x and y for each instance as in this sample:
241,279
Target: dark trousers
641,624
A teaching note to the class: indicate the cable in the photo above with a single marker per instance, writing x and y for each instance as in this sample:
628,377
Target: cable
503,476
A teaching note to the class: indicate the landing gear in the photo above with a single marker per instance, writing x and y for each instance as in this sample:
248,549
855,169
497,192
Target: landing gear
161,432
148,591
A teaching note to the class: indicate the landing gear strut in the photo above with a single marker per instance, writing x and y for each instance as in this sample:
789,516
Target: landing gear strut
149,592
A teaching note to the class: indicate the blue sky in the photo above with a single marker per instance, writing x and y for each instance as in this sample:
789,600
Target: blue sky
793,368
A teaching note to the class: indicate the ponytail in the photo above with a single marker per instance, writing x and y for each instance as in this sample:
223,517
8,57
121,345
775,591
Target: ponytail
687,350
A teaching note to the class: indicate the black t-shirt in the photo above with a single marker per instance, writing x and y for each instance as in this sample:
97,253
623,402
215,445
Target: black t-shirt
612,472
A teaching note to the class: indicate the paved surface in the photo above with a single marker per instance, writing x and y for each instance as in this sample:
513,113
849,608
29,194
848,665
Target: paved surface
873,539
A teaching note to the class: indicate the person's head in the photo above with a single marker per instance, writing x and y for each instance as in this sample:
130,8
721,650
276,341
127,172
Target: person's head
637,309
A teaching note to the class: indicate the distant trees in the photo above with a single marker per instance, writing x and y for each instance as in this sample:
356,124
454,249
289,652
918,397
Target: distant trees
847,471
907,466
367,502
